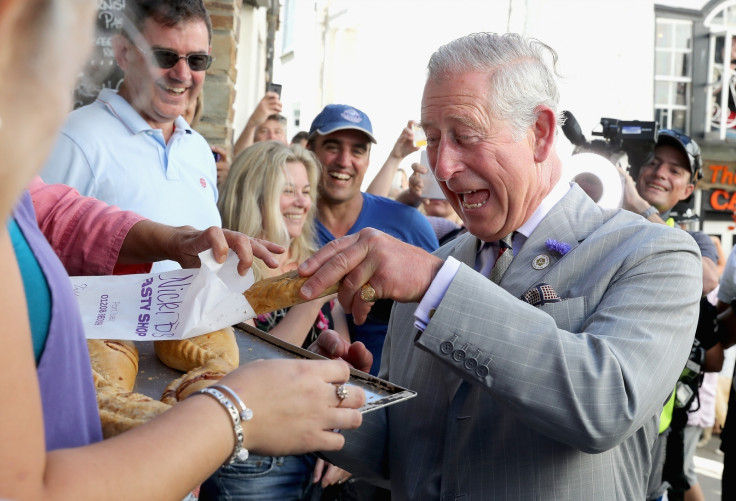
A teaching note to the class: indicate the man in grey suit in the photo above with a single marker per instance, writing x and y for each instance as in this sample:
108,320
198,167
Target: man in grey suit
547,383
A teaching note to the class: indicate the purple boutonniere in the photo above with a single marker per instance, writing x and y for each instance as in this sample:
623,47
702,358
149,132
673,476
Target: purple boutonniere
559,248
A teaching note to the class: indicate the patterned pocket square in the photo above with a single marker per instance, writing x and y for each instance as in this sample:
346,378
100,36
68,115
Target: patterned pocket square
541,294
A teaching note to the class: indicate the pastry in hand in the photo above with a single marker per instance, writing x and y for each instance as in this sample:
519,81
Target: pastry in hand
121,410
274,293
114,363
211,372
188,354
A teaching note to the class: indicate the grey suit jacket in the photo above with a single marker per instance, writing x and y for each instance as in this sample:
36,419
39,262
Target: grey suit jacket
558,402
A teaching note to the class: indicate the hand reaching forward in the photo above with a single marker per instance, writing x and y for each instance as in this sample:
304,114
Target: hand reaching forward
396,270
332,345
295,405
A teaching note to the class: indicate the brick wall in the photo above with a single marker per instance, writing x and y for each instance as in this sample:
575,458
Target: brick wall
216,124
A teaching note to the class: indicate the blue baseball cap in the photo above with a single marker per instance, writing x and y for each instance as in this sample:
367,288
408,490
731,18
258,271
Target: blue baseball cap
336,117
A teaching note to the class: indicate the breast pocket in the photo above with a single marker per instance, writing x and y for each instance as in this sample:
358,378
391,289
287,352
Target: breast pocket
569,314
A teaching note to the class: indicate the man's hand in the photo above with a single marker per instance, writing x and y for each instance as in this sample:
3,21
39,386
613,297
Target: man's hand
185,245
405,143
269,105
396,270
332,345
148,241
328,474
632,200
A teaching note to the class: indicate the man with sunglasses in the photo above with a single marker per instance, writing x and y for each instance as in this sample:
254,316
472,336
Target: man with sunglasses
131,147
668,178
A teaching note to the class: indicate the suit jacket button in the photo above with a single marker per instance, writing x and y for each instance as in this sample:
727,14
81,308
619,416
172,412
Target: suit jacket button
448,496
482,371
458,355
447,347
471,364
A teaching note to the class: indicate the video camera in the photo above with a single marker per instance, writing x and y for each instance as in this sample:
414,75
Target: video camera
634,138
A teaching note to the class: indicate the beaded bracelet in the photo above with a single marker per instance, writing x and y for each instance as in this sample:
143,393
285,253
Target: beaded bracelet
239,453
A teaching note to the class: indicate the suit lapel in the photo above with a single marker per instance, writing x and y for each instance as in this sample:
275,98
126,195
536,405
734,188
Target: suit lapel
570,221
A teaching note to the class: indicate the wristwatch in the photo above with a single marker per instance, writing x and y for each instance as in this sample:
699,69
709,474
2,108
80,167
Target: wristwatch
649,212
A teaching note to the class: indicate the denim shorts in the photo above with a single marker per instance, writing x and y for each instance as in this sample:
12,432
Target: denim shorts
262,478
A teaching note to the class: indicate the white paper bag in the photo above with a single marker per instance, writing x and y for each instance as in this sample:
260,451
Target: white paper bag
171,305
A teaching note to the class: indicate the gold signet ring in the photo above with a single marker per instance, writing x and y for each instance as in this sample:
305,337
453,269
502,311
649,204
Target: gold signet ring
368,293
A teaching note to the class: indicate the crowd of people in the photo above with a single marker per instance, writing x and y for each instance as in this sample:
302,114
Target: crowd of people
545,336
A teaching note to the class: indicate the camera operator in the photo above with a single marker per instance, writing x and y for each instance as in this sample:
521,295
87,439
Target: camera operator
668,178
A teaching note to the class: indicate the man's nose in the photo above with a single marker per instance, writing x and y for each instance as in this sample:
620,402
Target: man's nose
181,70
343,157
446,161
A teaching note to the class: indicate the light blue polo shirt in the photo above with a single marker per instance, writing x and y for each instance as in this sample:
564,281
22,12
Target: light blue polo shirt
107,151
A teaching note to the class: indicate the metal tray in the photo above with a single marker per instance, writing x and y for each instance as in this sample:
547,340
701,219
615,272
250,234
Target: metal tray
254,344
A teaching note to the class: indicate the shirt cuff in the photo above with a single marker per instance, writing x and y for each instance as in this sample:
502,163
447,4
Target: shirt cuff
436,292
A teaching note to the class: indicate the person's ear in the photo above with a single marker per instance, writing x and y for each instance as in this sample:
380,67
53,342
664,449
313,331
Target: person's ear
688,191
122,46
544,129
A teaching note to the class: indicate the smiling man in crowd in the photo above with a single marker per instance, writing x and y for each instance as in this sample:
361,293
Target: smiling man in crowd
132,148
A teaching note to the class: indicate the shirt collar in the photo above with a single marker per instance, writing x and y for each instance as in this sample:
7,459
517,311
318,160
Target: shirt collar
130,118
554,196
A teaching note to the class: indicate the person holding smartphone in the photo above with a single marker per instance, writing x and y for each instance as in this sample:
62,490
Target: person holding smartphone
265,123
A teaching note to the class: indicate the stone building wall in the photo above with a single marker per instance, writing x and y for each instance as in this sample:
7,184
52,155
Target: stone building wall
216,124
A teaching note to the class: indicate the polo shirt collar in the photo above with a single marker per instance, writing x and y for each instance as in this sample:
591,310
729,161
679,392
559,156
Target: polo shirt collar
130,118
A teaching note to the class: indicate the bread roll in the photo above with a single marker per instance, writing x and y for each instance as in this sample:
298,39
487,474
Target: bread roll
188,354
114,363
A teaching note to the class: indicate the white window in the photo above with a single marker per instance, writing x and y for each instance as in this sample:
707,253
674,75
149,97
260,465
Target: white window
673,73
721,110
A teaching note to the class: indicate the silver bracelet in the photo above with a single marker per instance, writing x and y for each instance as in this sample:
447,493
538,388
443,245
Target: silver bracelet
239,453
246,414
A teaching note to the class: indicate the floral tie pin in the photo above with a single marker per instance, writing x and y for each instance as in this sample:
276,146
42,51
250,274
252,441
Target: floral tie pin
554,247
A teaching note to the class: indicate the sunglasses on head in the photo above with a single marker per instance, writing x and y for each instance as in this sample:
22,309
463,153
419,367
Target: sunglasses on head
166,59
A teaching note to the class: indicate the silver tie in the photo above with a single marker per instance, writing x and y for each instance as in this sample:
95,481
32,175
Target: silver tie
503,261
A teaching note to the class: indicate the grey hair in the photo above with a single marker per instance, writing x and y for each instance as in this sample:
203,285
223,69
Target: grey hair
520,78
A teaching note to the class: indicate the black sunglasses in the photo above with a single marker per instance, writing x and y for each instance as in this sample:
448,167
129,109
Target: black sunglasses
166,59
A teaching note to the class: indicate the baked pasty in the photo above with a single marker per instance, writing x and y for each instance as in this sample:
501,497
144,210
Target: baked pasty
212,371
188,354
122,410
114,363
275,293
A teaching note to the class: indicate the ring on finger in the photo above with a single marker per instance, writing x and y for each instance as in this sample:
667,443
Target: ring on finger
342,393
368,293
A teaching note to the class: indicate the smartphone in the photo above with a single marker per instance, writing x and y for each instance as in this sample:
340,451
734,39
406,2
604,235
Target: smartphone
431,186
274,87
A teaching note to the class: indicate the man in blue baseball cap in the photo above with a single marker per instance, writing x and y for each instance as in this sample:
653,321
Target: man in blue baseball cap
341,137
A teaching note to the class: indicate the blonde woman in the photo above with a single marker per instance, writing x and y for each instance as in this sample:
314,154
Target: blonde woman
270,193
